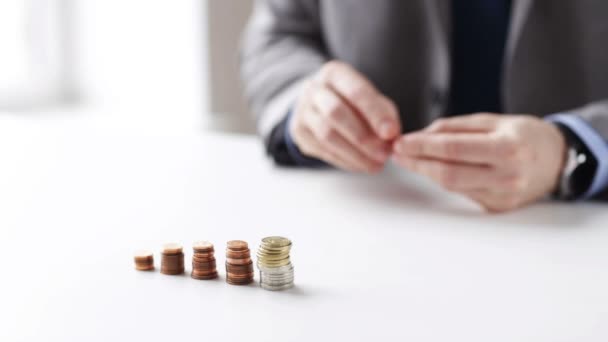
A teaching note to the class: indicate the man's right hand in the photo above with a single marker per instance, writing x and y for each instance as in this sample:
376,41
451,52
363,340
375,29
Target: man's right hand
342,119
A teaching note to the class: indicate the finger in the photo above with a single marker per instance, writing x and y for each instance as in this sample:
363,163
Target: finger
481,122
379,112
452,176
473,148
312,147
340,116
333,142
494,202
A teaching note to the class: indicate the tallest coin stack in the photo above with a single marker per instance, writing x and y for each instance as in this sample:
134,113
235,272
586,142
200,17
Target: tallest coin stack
276,270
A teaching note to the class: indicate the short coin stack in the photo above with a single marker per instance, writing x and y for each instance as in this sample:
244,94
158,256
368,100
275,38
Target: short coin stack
172,262
239,267
203,261
144,261
276,270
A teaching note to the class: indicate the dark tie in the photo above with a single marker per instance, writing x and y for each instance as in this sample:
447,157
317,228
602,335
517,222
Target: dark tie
479,34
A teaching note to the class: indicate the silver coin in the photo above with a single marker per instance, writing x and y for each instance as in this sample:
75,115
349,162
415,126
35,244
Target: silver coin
277,284
273,270
276,288
277,273
277,278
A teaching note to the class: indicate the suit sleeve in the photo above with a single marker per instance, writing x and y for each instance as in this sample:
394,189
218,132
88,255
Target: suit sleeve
282,46
597,116
590,123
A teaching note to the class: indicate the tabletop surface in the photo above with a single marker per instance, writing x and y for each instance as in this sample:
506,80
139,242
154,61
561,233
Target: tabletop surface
383,257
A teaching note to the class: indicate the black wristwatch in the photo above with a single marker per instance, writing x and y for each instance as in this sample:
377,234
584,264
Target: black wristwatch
579,168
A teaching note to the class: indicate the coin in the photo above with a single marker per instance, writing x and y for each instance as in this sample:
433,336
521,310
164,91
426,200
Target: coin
239,266
202,246
203,261
237,245
238,261
274,263
143,255
172,248
172,259
276,241
144,261
276,288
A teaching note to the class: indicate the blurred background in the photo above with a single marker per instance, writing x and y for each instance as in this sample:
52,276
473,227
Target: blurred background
153,63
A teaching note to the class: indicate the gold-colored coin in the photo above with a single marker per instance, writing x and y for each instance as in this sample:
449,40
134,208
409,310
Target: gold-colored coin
268,250
273,258
262,251
276,241
278,263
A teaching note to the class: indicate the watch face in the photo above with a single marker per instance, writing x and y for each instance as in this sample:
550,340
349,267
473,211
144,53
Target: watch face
582,176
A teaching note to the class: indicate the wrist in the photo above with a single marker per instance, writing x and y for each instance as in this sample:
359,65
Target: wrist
562,155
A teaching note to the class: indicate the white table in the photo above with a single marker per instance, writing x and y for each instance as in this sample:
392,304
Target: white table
376,258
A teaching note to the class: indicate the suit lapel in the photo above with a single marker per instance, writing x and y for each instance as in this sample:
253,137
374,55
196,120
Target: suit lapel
439,10
519,15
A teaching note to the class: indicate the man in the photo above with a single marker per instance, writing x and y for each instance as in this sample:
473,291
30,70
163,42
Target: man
504,101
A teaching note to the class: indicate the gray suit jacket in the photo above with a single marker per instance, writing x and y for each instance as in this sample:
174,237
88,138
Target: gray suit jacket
556,57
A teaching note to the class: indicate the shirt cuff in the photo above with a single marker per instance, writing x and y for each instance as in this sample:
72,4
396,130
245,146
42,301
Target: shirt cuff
595,143
295,152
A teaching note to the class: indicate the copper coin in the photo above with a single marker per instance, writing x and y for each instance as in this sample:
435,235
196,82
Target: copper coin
143,255
239,267
203,255
144,262
172,248
174,257
196,257
239,275
203,268
238,254
145,268
212,262
203,263
204,277
202,258
172,272
204,274
237,245
202,246
238,261
242,271
232,282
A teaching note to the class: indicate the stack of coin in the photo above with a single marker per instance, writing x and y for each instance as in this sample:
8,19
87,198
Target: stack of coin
276,270
172,262
144,261
203,261
239,267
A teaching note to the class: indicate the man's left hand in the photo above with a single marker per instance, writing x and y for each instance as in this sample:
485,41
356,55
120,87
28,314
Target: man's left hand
501,161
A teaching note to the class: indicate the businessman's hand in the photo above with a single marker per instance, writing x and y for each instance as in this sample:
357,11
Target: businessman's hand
343,119
502,162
